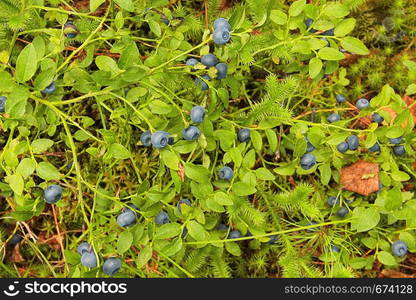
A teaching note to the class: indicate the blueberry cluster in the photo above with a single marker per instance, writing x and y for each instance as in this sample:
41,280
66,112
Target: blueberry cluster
208,60
89,259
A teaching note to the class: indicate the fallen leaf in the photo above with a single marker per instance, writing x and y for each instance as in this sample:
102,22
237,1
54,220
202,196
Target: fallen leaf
361,178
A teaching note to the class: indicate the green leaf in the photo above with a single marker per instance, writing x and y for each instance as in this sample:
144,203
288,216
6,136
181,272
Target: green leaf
345,27
155,27
125,4
386,258
364,219
196,172
26,167
170,159
285,170
106,63
94,4
41,145
222,198
328,53
354,45
336,10
400,176
16,183
26,64
278,17
124,241
325,171
197,231
47,171
264,174
144,256
233,248
243,189
315,67
167,231
256,139
173,247
118,151
296,7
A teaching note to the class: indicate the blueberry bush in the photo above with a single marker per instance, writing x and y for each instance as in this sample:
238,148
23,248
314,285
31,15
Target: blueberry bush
207,138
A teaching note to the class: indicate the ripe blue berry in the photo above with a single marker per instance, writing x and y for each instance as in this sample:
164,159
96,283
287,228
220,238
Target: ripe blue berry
342,212
222,226
374,148
309,146
89,260
191,133
111,266
243,135
2,104
162,218
377,118
334,248
362,103
183,202
396,141
84,247
221,36
222,69
160,139
273,239
52,193
201,83
399,150
49,89
126,218
235,234
353,142
222,23
342,147
16,239
226,173
334,117
329,32
307,161
209,60
166,21
197,114
332,201
192,62
340,98
146,138
399,248
70,30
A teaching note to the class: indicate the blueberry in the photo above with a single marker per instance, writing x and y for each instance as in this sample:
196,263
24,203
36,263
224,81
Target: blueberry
332,201
49,89
184,232
399,248
70,30
146,138
197,114
273,239
16,239
342,212
171,140
399,150
84,247
222,69
307,161
126,218
226,173
130,207
309,146
221,36
160,139
308,23
166,21
374,148
2,104
334,117
329,32
340,98
204,86
342,147
209,60
353,142
192,62
162,218
377,118
183,201
334,248
222,23
111,266
235,234
362,103
222,226
243,135
52,193
88,259
396,141
191,133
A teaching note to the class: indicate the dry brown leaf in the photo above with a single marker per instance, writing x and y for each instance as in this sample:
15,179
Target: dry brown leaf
395,274
361,178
